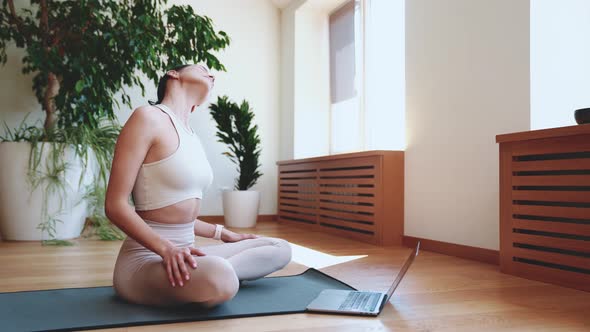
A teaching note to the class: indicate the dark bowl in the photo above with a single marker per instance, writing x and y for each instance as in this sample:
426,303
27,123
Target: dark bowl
582,115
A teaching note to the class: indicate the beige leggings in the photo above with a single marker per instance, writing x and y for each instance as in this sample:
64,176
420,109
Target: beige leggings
140,276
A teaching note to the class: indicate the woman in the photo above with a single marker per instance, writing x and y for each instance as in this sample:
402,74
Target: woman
159,160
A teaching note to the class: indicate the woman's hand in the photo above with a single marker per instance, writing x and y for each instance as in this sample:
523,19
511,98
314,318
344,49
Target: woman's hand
229,236
174,261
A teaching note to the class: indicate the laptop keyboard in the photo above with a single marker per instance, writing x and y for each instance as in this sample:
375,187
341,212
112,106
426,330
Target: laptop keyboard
365,301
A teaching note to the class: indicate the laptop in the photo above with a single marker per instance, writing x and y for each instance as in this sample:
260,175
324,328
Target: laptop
367,303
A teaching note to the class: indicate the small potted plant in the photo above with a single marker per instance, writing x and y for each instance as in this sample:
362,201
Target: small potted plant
235,128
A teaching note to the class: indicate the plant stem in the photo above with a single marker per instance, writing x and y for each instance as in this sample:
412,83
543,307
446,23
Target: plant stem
50,93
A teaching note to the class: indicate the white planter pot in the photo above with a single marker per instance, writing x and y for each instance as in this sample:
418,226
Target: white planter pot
21,207
240,208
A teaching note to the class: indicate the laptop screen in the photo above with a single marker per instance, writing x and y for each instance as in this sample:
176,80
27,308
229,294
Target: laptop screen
403,271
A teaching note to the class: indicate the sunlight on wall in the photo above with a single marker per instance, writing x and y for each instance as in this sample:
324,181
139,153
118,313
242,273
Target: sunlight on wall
385,87
318,259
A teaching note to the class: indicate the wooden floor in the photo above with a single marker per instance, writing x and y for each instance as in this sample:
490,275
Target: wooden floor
439,293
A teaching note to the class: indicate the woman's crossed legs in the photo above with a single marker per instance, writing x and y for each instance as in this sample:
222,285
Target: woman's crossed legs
216,277
253,258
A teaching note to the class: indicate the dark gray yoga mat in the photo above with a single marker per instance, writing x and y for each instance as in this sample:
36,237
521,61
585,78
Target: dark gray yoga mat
90,308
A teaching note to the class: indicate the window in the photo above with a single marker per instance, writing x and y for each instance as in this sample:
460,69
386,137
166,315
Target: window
367,76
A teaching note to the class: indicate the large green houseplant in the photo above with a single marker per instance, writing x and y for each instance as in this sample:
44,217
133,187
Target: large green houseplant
82,53
236,129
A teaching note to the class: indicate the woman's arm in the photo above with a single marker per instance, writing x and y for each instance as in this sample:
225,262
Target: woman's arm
133,225
130,151
206,229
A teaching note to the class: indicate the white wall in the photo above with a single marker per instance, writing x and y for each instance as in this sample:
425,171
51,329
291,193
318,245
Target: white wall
385,110
467,80
560,66
253,72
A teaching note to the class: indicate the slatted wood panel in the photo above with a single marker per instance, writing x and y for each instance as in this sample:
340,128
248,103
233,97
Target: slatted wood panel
545,208
354,195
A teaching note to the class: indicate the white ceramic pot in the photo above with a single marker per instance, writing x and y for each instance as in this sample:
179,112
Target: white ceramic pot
21,207
240,208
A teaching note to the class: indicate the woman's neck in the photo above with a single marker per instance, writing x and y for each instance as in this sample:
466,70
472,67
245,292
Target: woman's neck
180,105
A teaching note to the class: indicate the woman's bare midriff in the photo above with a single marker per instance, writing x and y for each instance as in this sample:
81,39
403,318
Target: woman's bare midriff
178,213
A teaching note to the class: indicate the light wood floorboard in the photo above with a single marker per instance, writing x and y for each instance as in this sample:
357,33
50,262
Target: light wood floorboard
439,293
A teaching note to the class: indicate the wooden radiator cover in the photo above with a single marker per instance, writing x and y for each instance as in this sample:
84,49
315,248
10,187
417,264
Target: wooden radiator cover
355,195
545,205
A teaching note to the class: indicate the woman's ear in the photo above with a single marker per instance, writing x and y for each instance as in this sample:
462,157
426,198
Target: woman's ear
172,73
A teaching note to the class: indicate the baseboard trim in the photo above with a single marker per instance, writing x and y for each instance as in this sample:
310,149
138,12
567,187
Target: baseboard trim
221,220
458,250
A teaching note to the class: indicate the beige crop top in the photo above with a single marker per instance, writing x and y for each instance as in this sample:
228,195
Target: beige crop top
184,174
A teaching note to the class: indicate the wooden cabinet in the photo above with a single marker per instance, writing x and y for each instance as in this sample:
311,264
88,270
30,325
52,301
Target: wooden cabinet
355,195
545,205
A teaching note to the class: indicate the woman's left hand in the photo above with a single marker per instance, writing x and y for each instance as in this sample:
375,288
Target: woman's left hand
229,236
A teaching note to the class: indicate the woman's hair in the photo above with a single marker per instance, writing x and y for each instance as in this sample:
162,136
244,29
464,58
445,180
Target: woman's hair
162,85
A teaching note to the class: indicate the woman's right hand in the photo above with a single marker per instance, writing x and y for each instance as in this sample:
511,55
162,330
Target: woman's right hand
174,261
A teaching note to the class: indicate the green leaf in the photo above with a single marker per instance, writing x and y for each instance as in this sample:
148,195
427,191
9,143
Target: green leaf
235,128
107,47
79,86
